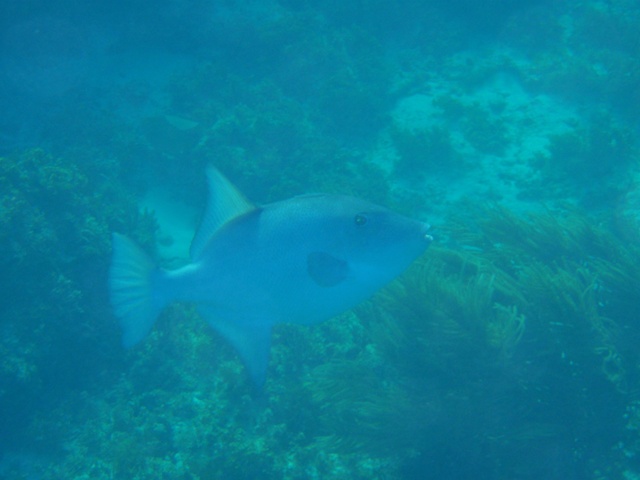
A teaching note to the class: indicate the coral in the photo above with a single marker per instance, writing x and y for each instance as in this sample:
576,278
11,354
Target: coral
56,219
424,151
594,61
483,130
599,149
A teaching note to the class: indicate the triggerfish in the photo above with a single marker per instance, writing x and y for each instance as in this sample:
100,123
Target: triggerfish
302,260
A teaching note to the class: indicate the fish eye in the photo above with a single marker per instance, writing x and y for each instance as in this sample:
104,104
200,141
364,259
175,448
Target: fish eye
360,219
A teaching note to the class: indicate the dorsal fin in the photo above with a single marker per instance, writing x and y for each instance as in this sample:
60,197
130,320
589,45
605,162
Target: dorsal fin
224,203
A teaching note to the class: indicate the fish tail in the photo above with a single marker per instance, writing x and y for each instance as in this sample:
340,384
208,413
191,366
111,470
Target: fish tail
132,288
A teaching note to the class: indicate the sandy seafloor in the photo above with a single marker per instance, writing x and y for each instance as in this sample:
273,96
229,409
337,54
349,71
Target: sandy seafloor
508,351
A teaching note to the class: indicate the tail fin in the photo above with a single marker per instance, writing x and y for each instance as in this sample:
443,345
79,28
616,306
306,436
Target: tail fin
131,289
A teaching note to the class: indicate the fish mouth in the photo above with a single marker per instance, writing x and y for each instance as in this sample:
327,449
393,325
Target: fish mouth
426,236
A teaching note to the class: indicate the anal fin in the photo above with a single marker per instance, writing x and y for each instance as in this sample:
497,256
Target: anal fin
251,337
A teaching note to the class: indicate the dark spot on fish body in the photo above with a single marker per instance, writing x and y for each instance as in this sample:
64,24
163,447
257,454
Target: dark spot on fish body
326,270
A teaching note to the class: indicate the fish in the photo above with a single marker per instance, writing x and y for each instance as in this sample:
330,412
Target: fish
301,261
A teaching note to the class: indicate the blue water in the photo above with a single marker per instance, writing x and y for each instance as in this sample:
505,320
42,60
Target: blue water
507,351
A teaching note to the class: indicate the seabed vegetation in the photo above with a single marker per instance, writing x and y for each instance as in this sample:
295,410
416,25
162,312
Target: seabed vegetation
508,351
514,333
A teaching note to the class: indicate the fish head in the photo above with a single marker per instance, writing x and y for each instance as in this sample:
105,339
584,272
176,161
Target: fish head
373,243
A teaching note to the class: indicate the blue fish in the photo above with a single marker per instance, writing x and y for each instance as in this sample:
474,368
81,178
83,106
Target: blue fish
302,260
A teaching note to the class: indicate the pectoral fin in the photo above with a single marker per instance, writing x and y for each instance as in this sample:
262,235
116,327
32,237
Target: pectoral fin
251,337
325,269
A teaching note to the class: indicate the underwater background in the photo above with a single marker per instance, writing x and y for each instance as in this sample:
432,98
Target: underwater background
510,350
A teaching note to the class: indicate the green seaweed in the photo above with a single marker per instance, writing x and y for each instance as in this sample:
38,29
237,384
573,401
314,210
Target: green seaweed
516,302
509,341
